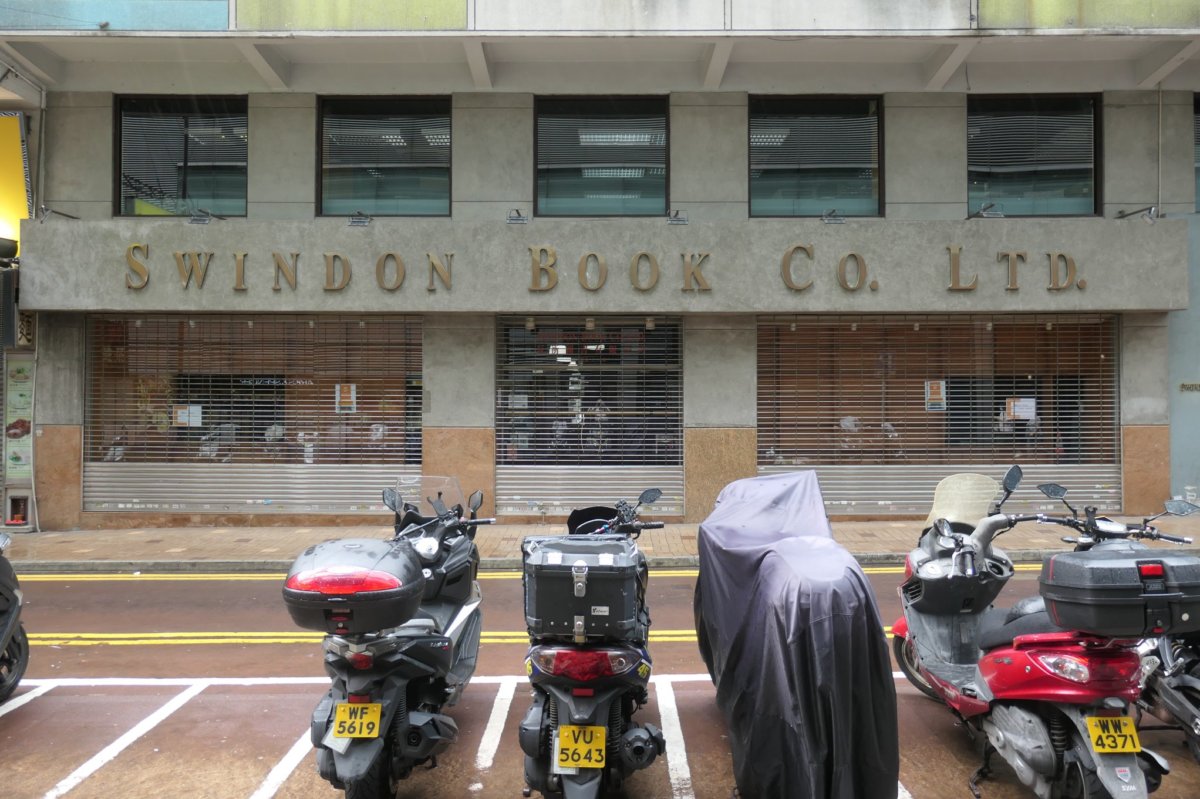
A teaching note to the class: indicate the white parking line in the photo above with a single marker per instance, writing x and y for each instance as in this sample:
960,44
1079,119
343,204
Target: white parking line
24,699
116,747
677,765
284,768
495,725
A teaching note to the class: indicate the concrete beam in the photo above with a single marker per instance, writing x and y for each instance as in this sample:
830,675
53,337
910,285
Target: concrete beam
14,86
1153,68
477,61
35,61
718,60
938,69
274,69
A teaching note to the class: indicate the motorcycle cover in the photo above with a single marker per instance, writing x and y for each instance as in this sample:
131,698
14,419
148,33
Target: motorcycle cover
791,635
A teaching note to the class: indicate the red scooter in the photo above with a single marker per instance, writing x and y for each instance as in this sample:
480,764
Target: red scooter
1050,682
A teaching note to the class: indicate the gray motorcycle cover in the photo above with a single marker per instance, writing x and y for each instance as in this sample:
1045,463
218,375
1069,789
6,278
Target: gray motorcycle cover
792,638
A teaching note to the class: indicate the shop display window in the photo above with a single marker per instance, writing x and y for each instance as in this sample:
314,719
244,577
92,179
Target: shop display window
385,157
601,156
1032,155
181,156
815,156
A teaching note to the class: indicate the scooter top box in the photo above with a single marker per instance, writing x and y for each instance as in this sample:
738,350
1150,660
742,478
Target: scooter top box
1123,591
349,588
584,586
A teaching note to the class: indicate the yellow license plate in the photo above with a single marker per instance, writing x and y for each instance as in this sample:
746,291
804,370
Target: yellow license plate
581,747
1111,734
356,721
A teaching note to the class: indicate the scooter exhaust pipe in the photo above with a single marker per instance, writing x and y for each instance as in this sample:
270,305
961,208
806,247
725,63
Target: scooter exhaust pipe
640,746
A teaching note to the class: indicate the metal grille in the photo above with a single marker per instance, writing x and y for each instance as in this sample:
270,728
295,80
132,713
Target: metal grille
587,413
237,413
882,406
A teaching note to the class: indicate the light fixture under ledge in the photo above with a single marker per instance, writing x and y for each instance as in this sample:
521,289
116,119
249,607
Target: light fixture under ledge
1150,214
515,217
677,218
589,323
832,217
45,211
530,324
359,219
987,211
203,216
649,322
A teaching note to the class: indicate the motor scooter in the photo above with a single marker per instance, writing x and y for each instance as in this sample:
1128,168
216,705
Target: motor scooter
14,646
1048,684
588,664
402,624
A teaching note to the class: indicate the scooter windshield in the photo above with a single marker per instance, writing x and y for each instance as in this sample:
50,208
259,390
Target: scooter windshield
964,498
419,490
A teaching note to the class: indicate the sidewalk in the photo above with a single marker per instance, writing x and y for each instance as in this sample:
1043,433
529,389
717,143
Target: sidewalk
272,549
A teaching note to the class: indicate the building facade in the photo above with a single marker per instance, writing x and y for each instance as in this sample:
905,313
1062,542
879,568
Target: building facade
281,257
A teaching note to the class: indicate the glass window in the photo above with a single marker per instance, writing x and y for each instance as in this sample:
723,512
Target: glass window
602,156
180,155
811,156
1196,139
385,157
1031,156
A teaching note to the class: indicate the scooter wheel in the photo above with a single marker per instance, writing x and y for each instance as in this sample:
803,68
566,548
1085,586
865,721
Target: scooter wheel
13,661
906,658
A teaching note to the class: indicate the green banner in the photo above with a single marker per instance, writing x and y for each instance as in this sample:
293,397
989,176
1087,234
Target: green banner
1070,14
361,15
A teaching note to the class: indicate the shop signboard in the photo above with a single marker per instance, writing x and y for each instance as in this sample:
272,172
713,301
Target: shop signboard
18,418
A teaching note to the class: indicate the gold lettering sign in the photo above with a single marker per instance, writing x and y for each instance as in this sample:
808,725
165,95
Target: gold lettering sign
288,271
860,264
543,275
189,265
440,270
239,271
381,271
786,267
332,260
691,271
1014,257
601,271
1067,277
956,284
635,271
137,267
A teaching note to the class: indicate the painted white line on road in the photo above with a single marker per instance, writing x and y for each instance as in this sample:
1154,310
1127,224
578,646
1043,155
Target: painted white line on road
24,699
903,794
284,768
165,682
495,725
676,754
116,747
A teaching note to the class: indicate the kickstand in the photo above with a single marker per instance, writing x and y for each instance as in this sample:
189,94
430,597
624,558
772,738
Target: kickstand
982,772
432,763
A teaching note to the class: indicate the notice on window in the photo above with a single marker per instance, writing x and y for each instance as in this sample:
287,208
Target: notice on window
187,415
18,419
346,398
1023,408
935,395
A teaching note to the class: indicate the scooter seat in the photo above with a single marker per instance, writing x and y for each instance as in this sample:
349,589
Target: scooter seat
1025,624
1028,605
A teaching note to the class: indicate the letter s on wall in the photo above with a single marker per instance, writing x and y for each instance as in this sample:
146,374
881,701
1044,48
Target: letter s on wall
137,267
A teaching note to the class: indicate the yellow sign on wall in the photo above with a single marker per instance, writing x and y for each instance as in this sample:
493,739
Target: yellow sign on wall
1075,14
15,198
361,15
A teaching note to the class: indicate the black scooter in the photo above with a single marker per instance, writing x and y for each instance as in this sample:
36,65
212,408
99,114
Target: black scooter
588,663
402,624
14,646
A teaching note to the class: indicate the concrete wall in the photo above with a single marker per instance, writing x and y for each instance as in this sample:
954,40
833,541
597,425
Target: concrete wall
61,358
79,154
281,159
1133,174
1184,384
710,155
491,160
925,156
459,357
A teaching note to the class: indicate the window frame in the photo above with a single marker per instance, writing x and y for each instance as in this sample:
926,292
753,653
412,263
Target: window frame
172,104
584,102
410,104
1014,100
786,103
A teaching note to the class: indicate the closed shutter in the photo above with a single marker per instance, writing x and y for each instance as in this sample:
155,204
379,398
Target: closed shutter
250,414
884,407
587,412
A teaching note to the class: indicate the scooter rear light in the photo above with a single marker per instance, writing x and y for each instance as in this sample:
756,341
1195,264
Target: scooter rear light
1116,669
1068,667
360,660
358,699
908,569
583,665
1151,570
342,580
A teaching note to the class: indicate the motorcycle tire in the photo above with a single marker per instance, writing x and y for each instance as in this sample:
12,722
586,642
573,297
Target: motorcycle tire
1080,782
13,661
906,659
377,783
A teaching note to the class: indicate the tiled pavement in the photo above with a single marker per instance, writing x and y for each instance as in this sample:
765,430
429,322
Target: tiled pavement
219,549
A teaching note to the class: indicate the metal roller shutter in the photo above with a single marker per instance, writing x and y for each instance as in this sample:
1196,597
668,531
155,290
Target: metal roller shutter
240,414
587,412
883,407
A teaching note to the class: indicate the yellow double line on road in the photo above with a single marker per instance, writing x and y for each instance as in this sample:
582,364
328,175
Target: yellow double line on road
243,638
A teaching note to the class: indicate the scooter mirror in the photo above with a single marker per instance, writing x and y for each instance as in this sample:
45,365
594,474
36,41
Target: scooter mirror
1053,490
392,500
649,496
475,500
1180,507
1012,478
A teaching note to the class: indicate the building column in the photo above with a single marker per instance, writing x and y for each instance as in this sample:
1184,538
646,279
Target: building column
458,439
1145,432
720,413
58,421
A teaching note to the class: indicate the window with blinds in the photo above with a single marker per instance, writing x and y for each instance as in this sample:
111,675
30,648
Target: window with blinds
198,409
884,407
601,156
814,156
1196,144
385,157
181,155
1032,155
